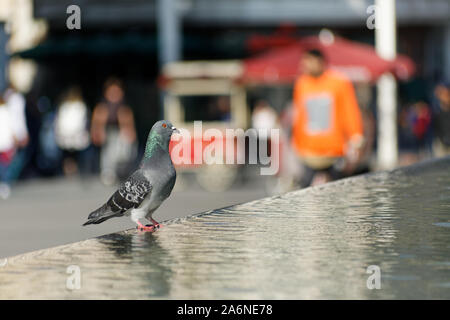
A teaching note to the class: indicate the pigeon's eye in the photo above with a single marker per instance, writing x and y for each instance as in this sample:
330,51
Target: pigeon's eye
164,125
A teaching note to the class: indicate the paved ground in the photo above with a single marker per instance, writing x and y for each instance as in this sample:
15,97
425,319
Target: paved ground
46,213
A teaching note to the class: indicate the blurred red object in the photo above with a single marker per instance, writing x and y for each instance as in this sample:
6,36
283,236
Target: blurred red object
7,156
358,61
284,35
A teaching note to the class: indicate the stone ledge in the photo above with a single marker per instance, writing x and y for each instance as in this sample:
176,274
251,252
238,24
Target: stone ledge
318,243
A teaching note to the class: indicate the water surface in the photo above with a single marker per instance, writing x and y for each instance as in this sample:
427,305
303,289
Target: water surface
314,243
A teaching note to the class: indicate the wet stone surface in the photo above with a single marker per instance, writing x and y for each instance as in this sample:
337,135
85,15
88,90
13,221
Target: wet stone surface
315,243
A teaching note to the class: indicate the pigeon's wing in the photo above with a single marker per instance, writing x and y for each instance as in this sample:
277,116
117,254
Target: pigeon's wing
131,193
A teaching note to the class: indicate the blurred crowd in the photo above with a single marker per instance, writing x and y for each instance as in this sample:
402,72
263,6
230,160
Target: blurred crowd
327,135
425,124
37,139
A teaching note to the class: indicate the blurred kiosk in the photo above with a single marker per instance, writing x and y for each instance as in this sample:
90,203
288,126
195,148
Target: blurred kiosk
201,82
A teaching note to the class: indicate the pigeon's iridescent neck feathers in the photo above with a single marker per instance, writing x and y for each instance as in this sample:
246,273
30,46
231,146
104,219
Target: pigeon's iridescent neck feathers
156,154
154,142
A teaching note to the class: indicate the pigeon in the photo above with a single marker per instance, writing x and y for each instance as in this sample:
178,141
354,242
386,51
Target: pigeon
144,190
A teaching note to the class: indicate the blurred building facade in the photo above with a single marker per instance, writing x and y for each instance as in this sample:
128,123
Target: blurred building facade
132,38
427,20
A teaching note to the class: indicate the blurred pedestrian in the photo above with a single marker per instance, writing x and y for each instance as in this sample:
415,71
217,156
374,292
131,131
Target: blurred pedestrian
264,118
8,142
15,102
71,129
415,122
441,144
113,130
16,105
327,124
49,155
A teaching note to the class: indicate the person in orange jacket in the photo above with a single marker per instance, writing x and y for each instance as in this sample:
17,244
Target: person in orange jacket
327,132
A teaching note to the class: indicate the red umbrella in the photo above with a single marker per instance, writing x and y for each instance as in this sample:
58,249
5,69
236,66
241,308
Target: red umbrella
358,61
274,66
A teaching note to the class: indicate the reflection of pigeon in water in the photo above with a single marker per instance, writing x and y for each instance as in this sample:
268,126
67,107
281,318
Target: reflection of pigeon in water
144,191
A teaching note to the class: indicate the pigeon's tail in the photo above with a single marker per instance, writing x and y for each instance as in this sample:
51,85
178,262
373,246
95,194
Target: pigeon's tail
101,214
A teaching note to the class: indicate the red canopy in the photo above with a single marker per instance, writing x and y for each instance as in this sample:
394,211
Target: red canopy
358,61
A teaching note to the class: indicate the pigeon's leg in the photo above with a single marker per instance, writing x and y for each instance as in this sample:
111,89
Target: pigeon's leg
141,227
135,216
155,223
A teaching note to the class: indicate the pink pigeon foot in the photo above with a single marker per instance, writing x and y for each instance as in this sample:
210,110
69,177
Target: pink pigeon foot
155,223
150,228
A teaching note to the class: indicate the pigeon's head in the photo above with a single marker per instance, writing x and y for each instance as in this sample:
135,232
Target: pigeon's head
159,136
162,131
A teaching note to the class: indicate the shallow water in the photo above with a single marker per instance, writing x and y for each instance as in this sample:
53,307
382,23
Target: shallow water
311,244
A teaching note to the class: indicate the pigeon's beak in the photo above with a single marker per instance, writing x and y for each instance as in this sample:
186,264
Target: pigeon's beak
175,130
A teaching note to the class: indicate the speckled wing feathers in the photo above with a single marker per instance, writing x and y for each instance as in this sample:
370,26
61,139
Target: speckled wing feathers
131,193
